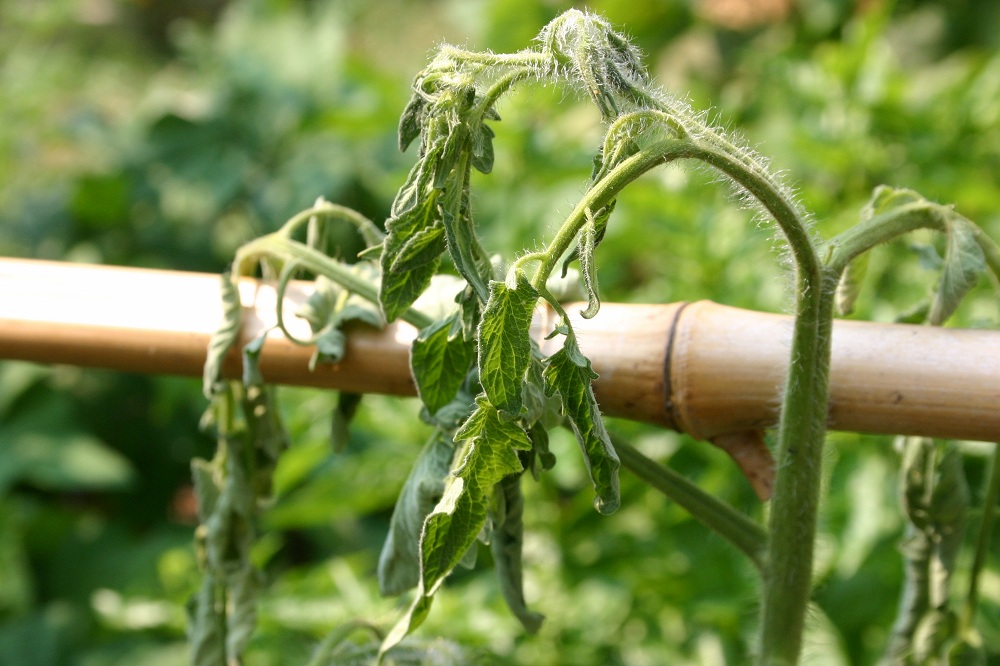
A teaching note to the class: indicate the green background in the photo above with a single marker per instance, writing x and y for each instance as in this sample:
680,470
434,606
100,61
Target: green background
165,134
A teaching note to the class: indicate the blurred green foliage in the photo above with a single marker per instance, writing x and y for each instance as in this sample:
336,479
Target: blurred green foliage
166,134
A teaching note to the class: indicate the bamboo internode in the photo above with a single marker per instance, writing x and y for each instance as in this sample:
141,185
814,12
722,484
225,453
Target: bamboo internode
702,368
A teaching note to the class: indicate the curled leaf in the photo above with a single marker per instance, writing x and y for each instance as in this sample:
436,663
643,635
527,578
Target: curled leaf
964,264
506,545
224,337
850,284
570,374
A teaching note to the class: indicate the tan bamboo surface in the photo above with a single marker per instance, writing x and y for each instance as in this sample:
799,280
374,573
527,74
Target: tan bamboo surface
707,369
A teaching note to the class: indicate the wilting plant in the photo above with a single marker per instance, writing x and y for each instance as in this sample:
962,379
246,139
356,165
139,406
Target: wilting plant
492,395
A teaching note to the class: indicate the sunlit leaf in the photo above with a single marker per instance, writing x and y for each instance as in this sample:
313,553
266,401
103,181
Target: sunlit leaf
504,342
489,453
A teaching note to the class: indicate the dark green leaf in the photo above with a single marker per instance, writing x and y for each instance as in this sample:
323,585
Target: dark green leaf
440,360
570,375
399,288
482,148
340,426
504,342
506,545
423,247
410,121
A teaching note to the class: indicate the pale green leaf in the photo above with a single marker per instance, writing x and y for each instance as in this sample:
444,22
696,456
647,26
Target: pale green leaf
851,281
504,342
964,264
224,337
468,255
399,562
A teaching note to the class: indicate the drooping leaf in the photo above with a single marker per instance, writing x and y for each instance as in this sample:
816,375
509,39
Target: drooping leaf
885,199
224,337
506,546
964,264
570,374
399,288
469,257
489,453
850,284
340,423
592,235
410,121
504,342
399,563
440,360
482,148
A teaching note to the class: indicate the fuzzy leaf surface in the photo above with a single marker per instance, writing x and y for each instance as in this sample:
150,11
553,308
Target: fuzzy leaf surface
570,374
504,342
407,261
489,454
440,359
964,264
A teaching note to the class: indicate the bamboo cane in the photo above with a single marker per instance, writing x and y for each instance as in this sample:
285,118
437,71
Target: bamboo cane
706,369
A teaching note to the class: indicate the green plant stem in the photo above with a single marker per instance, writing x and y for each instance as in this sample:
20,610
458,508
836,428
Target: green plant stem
881,229
792,524
600,194
279,245
801,429
983,541
747,536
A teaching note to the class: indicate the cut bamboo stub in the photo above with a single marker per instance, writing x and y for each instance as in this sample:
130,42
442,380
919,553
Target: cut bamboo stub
702,368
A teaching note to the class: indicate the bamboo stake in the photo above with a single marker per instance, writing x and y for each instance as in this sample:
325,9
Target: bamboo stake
703,368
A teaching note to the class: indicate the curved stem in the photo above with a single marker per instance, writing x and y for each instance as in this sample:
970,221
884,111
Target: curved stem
881,229
792,524
802,426
601,193
315,261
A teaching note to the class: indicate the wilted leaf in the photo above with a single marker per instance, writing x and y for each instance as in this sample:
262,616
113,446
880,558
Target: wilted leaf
504,342
440,359
569,374
506,545
224,337
488,455
399,563
964,264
